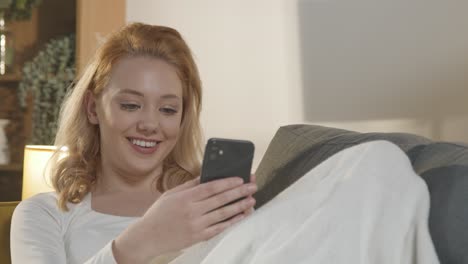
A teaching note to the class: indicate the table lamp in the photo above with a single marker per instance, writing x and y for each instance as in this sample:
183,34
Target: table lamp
36,170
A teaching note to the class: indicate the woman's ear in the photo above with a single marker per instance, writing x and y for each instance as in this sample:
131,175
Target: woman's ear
90,104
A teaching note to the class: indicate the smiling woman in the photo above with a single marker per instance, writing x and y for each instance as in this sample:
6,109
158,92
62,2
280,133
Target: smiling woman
131,125
138,58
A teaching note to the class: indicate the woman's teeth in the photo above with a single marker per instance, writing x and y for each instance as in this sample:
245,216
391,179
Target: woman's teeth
144,144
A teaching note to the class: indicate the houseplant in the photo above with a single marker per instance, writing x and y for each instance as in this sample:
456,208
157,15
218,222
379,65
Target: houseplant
48,77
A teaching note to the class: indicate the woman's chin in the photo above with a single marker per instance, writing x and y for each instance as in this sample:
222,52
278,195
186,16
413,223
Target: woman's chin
145,169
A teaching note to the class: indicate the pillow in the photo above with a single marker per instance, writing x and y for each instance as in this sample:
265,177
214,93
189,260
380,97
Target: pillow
440,154
448,219
296,149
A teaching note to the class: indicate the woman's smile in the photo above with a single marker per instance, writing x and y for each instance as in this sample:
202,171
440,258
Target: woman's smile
144,146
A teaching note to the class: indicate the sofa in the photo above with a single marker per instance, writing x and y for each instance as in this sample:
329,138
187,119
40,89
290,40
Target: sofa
295,149
6,211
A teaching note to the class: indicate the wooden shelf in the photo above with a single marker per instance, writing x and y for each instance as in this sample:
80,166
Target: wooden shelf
11,77
11,167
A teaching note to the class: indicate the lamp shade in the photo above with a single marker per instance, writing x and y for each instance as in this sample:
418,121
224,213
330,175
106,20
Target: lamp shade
36,170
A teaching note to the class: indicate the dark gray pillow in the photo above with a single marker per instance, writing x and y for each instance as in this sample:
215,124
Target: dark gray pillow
296,149
439,154
448,220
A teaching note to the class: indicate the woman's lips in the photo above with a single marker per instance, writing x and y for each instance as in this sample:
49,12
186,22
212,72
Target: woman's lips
144,150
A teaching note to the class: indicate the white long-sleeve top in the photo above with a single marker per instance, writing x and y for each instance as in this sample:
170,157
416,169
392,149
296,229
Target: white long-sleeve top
41,233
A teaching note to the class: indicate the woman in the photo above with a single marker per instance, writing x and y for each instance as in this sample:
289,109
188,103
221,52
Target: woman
128,190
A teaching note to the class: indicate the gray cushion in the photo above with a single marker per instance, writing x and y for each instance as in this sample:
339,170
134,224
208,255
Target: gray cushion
309,145
439,154
448,220
444,167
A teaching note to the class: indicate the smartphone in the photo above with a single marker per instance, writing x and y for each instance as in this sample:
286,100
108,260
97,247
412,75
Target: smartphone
227,158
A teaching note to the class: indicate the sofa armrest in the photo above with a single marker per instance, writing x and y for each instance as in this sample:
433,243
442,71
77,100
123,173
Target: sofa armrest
6,211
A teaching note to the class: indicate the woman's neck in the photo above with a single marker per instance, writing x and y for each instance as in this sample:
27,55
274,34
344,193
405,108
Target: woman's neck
120,195
111,181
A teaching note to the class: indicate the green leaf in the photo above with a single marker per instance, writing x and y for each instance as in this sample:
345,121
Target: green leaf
48,77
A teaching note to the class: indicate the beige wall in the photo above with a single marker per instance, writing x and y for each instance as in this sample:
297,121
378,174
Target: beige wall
399,65
366,65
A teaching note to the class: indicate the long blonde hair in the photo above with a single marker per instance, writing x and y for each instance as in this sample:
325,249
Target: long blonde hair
74,175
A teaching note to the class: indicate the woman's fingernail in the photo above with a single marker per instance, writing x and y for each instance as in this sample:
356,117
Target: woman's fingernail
252,187
238,181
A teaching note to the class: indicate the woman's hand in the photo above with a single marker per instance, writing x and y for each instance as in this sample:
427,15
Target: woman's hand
183,216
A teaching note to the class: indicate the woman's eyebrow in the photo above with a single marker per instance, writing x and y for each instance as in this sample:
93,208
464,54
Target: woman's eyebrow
130,91
135,92
170,96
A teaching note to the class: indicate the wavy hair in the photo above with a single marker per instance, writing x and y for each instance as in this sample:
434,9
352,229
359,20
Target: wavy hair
74,175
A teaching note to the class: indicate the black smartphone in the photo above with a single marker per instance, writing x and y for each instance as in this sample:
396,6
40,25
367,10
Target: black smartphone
227,158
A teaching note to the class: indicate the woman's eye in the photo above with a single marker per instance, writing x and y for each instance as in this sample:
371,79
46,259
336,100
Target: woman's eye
129,107
168,111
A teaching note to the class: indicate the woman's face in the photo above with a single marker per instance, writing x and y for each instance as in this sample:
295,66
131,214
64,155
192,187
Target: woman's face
139,115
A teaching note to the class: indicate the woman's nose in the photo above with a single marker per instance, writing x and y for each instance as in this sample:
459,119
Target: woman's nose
149,123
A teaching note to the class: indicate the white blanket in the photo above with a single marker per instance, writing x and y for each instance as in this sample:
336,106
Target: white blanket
363,205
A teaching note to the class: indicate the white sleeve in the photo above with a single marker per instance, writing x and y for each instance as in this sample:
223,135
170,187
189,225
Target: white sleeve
36,236
103,256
